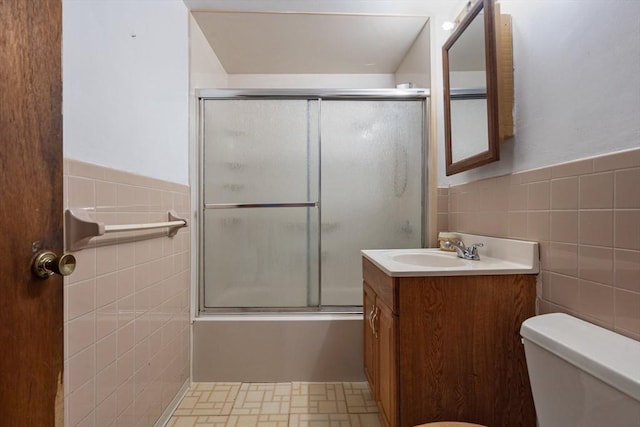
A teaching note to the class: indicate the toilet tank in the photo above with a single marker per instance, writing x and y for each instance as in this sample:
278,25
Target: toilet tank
581,374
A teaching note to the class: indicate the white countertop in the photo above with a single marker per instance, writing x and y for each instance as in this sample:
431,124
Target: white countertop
498,256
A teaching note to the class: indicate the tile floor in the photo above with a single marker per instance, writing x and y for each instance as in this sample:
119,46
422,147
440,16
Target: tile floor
296,404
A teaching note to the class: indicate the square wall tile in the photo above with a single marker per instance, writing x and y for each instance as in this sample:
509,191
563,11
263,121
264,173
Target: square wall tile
106,289
596,301
106,411
596,227
627,310
85,266
518,196
535,175
627,189
517,224
627,270
106,383
576,168
106,200
106,260
627,229
81,333
81,403
106,352
564,193
81,193
563,259
596,191
621,160
564,226
81,298
596,264
539,196
106,320
81,368
538,226
563,290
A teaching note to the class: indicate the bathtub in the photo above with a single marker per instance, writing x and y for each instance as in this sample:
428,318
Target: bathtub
279,347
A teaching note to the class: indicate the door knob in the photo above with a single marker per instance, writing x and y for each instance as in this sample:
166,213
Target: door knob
46,263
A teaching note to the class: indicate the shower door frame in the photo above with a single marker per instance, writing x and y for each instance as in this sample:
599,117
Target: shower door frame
311,95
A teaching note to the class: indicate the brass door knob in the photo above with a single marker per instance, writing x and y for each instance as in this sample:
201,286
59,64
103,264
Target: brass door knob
46,263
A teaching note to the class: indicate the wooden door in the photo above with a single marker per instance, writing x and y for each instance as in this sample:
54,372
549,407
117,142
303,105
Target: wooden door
387,366
31,206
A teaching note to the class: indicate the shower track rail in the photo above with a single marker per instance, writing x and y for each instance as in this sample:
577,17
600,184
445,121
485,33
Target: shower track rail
261,205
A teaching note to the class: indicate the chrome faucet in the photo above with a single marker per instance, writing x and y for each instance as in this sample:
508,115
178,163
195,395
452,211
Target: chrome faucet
463,251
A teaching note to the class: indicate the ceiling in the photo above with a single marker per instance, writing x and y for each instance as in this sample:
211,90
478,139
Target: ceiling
295,43
312,36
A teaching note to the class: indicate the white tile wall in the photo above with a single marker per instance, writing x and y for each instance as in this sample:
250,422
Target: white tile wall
127,303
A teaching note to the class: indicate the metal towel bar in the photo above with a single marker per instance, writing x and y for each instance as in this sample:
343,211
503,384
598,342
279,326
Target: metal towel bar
80,228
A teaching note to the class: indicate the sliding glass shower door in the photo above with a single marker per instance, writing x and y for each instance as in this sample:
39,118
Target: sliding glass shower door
260,191
371,188
293,189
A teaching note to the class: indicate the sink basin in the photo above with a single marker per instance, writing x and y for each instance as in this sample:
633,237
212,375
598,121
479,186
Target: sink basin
428,260
497,256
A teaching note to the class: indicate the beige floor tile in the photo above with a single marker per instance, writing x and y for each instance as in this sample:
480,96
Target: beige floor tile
268,399
365,420
318,398
208,399
358,397
319,420
258,420
202,421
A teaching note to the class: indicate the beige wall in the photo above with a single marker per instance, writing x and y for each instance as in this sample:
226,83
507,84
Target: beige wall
586,216
126,305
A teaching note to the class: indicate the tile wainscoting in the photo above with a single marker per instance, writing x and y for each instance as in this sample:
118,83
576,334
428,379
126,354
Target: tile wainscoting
586,216
127,303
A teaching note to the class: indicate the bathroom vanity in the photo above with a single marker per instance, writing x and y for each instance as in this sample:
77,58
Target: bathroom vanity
441,335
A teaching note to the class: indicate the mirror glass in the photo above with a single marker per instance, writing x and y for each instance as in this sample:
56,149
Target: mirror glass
469,117
468,95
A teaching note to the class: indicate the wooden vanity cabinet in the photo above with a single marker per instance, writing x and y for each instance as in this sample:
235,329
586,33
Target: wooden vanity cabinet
448,348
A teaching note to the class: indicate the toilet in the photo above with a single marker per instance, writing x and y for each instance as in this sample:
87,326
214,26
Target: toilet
581,374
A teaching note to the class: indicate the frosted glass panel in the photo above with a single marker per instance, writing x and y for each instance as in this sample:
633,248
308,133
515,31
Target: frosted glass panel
269,151
263,257
371,188
260,151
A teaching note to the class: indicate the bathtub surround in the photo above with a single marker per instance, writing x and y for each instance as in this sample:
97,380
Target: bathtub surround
586,216
127,304
279,347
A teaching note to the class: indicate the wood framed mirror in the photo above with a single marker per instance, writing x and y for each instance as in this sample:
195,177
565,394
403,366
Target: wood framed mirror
471,99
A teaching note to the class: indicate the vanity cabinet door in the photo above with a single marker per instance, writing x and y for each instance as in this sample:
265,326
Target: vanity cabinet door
370,342
386,323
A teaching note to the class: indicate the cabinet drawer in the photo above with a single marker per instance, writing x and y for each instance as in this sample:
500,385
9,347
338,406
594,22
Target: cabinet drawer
384,286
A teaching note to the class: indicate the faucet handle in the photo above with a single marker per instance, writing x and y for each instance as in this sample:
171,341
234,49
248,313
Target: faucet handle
474,249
